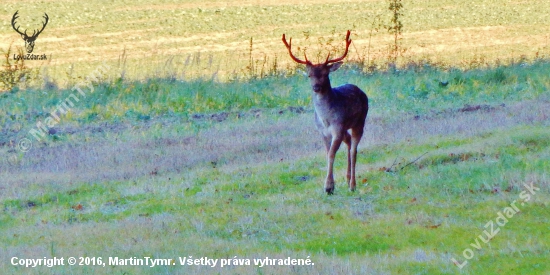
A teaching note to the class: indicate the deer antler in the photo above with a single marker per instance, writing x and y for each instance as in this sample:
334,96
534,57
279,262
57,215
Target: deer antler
15,16
43,25
288,46
35,33
348,42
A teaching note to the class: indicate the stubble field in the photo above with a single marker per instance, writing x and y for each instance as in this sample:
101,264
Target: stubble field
145,38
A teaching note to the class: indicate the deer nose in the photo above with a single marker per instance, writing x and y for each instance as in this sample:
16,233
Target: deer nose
316,88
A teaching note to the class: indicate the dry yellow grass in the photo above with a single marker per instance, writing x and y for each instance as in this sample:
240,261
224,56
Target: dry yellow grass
160,37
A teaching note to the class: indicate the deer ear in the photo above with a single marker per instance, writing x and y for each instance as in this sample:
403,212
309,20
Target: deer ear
335,66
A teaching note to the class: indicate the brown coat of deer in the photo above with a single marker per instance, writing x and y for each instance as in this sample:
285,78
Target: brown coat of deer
337,110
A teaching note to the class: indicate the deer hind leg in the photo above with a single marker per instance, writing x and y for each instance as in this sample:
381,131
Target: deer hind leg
327,139
356,135
334,146
347,141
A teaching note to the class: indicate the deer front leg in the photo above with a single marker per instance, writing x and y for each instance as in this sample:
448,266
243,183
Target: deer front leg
334,146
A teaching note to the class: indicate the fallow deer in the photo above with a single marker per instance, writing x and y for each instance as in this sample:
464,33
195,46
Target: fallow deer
337,110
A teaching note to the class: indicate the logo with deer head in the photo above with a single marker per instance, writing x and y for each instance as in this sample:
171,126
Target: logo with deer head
29,40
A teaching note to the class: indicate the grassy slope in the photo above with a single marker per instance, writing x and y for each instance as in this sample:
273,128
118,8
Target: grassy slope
157,182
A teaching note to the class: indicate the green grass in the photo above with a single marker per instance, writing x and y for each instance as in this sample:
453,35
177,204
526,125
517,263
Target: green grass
436,206
153,168
415,90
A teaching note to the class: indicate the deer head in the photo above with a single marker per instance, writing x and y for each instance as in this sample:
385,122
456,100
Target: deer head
318,73
29,40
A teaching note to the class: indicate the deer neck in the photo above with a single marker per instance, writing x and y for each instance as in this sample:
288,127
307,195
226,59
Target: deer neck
323,99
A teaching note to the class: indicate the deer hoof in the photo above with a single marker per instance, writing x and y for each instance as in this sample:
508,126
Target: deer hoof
329,191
